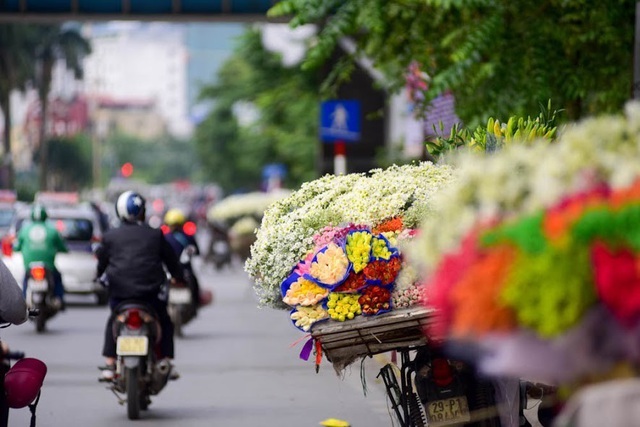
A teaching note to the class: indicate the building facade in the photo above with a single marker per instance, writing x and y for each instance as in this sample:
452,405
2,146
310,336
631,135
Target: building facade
140,63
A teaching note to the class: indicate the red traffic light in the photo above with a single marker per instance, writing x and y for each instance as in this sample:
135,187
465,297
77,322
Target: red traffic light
126,170
189,228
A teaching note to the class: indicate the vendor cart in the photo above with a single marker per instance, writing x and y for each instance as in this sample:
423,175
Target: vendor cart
407,385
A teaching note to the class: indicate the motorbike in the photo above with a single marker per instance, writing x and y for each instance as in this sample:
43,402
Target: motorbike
220,253
6,357
182,303
432,390
21,383
452,394
139,374
40,294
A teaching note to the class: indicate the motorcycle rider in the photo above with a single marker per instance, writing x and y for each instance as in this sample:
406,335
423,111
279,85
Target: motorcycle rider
179,241
39,241
13,308
132,257
219,237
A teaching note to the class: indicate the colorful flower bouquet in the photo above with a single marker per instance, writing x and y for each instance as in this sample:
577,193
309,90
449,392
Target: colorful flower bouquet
351,271
358,222
533,257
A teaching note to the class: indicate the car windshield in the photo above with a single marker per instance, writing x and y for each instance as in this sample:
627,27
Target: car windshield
76,229
71,229
6,215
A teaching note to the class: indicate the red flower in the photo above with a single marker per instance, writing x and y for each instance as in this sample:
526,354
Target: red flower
375,299
617,280
354,282
385,271
438,287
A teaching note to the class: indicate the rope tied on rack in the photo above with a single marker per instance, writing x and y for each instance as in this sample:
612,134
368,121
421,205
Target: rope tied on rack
306,348
318,355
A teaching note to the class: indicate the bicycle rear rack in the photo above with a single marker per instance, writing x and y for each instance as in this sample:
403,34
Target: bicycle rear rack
404,401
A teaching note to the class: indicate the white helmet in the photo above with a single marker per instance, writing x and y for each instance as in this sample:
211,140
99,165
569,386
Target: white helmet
130,206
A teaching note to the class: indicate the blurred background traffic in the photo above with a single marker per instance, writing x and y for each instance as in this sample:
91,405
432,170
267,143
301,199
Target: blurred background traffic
92,109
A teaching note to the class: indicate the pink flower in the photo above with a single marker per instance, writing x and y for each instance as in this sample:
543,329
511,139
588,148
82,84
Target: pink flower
304,266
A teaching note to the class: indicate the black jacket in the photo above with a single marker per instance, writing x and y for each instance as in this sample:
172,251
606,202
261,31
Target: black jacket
133,255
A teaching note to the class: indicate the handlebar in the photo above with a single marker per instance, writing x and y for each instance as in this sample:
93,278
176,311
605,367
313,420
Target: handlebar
13,355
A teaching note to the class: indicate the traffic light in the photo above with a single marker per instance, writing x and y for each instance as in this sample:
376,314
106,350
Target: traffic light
126,170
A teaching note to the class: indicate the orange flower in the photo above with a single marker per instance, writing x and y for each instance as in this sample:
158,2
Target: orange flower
559,219
476,296
626,195
393,224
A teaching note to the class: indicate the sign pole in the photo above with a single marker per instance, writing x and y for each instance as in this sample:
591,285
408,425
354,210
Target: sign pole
339,125
339,157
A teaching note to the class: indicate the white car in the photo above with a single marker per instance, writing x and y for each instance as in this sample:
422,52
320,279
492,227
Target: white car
80,228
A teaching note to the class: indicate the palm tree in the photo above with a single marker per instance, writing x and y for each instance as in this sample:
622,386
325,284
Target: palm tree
56,43
17,66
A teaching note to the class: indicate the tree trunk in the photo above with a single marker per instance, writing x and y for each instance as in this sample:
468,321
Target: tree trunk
7,177
574,109
43,94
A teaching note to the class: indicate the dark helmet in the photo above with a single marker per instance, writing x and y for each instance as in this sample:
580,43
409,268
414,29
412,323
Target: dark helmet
23,382
38,213
130,206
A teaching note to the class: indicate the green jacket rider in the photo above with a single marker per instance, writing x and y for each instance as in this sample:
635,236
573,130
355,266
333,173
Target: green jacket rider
39,241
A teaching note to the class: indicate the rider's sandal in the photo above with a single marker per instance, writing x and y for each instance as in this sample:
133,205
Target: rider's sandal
173,374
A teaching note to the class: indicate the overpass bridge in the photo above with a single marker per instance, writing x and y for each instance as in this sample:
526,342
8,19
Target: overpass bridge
138,10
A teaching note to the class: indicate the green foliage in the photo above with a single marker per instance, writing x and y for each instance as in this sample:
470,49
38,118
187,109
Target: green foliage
496,134
70,163
26,185
56,43
155,162
285,129
458,137
497,56
17,68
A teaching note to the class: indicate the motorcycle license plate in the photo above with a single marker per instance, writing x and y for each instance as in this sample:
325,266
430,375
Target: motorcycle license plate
179,296
38,285
132,346
448,411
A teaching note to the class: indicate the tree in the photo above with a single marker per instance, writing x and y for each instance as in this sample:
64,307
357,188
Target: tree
17,65
163,160
56,43
70,163
286,101
499,57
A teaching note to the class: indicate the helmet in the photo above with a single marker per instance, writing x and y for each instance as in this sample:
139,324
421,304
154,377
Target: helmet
23,382
38,213
130,206
174,217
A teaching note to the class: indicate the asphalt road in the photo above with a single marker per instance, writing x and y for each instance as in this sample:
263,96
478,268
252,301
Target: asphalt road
236,363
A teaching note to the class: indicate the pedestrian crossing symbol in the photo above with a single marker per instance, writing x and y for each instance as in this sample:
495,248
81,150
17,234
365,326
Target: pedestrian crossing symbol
340,121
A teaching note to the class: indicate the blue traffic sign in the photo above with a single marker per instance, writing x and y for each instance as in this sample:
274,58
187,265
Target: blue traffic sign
274,170
340,121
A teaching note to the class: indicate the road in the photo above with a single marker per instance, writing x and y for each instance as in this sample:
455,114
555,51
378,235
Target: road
236,364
